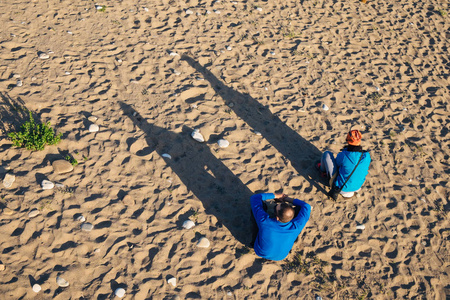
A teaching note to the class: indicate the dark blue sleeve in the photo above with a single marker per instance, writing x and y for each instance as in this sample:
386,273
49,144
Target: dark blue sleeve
304,213
256,202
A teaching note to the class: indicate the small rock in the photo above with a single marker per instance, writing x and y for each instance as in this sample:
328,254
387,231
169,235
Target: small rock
81,218
259,9
87,226
272,53
172,281
173,54
208,12
69,32
217,12
119,60
62,166
2,267
67,73
8,180
196,135
93,128
424,243
33,213
302,110
166,155
43,55
257,133
361,227
188,224
176,72
229,48
119,292
19,83
36,288
223,143
92,119
61,282
325,107
203,243
99,7
189,12
47,185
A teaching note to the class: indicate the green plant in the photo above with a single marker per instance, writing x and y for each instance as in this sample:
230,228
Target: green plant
442,12
72,160
34,136
375,97
194,215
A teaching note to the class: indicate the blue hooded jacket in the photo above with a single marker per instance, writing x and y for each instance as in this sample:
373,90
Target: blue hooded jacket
346,161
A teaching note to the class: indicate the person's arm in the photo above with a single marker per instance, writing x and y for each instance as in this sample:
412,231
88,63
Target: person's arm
256,202
304,208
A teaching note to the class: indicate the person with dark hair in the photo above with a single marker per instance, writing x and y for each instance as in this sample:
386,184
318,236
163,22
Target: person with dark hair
276,236
348,171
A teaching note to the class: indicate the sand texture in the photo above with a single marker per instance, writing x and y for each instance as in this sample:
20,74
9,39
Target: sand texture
281,81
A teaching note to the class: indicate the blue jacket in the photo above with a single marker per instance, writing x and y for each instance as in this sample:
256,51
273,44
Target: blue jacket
346,162
275,239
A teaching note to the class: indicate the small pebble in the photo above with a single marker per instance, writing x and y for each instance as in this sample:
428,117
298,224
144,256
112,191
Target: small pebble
217,11
98,7
61,282
44,56
259,9
176,72
69,32
33,213
325,107
172,281
119,60
2,267
203,243
173,54
301,110
189,12
188,224
81,218
424,243
257,133
119,292
93,128
19,83
145,8
223,143
47,185
273,53
196,135
67,73
166,155
87,226
36,288
361,227
229,48
208,12
8,180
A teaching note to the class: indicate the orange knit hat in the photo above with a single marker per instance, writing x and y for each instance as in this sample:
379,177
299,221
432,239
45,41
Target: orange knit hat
354,138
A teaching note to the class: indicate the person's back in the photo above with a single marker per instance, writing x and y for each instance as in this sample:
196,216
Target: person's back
275,238
346,161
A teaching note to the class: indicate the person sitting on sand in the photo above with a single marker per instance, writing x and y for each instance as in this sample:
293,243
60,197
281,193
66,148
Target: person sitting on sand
341,171
276,236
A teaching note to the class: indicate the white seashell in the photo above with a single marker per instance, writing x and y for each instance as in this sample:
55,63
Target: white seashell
119,60
69,32
196,135
189,12
173,54
93,128
259,9
145,8
223,143
203,243
217,11
208,12
33,213
325,107
92,118
81,218
257,133
188,224
176,72
47,185
16,75
361,227
61,282
301,110
272,52
166,155
172,281
67,73
229,48
87,226
19,83
8,180
36,288
119,292
97,250
98,7
43,56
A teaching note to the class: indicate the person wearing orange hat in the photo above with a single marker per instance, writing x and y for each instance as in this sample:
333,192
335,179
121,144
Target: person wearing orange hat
347,172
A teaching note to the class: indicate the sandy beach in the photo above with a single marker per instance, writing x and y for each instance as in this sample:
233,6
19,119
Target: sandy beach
281,81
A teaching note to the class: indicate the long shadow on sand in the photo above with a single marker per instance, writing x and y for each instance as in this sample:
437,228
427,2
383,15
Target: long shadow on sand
220,191
301,153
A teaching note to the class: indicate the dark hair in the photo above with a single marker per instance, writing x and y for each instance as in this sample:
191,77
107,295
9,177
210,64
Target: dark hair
285,213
